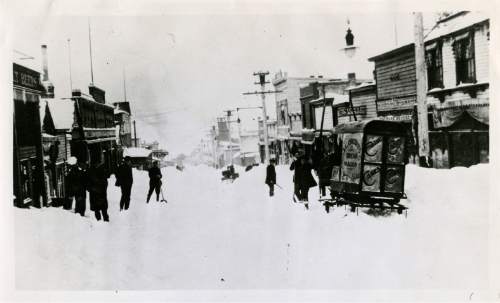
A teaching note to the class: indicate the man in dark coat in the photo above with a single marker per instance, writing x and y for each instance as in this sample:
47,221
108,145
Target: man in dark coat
77,181
124,179
154,181
303,179
271,177
325,172
98,186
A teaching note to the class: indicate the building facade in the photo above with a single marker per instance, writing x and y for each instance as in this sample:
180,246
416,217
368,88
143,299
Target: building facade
457,57
29,177
123,122
289,110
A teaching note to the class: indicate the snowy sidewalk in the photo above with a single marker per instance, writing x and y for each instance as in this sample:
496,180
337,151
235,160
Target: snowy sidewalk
218,235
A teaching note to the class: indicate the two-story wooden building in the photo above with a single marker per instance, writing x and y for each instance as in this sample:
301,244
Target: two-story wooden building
457,56
93,132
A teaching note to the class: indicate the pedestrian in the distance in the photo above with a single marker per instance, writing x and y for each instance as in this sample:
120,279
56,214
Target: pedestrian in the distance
124,179
98,186
271,176
77,180
303,179
154,181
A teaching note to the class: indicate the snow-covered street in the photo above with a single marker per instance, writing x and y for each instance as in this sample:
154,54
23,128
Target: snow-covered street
215,235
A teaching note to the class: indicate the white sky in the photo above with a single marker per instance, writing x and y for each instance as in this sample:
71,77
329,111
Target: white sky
183,70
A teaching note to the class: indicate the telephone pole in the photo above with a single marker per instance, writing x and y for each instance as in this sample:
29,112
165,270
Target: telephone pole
421,74
262,82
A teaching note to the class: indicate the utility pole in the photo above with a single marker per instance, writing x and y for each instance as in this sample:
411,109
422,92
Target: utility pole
262,82
421,74
135,135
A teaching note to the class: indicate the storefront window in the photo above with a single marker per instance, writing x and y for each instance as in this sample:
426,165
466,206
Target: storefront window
434,66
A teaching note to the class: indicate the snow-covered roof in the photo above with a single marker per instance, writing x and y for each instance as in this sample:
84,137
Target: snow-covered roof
137,152
362,85
120,111
62,112
337,98
455,23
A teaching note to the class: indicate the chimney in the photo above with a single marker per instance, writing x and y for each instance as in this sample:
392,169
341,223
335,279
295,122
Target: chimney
45,63
48,86
351,77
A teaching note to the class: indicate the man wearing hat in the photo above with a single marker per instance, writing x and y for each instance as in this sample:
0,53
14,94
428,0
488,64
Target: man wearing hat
77,181
124,179
271,176
302,177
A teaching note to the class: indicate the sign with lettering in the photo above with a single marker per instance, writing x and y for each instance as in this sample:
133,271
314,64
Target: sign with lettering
394,179
373,149
396,103
347,111
395,148
402,117
26,77
371,177
351,158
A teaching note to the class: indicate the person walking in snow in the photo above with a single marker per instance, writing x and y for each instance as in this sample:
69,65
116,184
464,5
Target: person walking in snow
325,168
124,179
302,177
98,186
77,182
271,176
154,181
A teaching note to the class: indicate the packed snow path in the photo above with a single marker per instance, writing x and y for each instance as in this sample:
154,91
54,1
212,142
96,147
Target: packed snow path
217,235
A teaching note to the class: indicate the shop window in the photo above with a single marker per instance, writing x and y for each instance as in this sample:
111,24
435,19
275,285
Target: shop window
463,49
434,59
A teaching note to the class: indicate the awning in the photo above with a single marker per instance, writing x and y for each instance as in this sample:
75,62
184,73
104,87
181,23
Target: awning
445,116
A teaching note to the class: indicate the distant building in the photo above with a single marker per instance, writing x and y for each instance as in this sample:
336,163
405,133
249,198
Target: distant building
272,133
288,109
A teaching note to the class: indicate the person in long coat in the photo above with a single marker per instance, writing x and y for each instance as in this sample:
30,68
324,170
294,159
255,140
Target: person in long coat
271,176
77,180
325,172
303,179
124,179
154,181
98,185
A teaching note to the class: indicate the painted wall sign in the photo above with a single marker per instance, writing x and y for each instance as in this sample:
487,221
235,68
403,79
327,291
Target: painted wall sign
26,77
347,111
396,103
402,117
351,158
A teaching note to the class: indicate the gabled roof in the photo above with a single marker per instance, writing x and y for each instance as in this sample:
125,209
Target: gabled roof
61,111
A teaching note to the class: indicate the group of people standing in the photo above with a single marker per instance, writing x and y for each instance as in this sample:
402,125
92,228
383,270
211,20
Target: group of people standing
94,179
303,180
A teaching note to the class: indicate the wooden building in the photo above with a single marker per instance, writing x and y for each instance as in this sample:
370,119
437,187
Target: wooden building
57,116
396,90
29,179
93,132
457,56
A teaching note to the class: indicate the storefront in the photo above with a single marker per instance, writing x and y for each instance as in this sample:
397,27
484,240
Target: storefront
460,133
29,179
